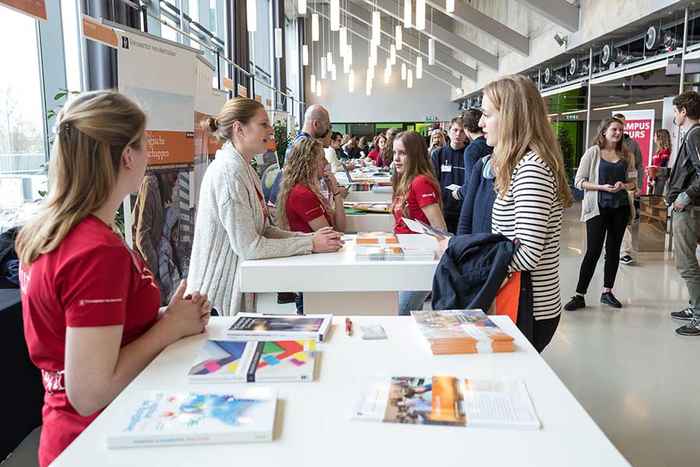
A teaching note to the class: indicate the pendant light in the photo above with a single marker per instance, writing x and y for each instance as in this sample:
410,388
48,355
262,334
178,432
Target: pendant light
251,15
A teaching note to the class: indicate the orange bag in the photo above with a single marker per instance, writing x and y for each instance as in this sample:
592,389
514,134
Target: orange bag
508,297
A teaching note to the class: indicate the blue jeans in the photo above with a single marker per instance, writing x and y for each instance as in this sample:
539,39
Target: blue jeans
410,301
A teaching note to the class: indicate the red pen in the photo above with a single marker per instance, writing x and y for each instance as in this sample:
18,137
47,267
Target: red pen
348,327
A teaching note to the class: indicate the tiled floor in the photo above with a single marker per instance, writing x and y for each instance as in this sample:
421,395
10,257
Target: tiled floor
638,380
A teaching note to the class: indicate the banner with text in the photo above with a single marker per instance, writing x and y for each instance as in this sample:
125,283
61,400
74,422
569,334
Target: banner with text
639,125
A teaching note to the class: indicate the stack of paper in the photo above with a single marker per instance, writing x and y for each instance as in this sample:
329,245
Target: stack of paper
256,326
376,239
461,331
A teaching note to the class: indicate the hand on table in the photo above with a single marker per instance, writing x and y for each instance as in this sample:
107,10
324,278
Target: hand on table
326,240
186,316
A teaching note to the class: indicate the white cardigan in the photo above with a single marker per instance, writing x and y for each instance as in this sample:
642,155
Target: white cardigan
231,227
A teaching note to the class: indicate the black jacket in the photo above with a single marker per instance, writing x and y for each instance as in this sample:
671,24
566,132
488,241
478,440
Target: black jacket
685,172
471,271
478,202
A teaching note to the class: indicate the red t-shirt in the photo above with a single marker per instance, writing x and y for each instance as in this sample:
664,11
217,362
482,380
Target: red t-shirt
302,207
422,193
660,159
91,279
376,156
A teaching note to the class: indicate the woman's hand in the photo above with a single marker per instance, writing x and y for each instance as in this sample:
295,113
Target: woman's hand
443,243
619,186
186,316
607,188
326,240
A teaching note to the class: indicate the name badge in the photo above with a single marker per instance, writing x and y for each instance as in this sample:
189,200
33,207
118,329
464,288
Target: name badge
446,168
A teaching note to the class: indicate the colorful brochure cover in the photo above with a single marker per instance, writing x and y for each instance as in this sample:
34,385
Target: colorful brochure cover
450,401
185,418
462,331
249,326
255,361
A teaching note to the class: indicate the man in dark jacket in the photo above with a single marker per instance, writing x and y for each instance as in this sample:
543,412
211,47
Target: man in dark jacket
684,196
477,149
448,164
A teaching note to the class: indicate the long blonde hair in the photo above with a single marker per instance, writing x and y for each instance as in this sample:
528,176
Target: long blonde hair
93,131
524,127
301,167
417,163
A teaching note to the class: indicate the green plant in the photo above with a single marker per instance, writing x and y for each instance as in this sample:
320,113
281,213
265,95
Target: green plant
282,140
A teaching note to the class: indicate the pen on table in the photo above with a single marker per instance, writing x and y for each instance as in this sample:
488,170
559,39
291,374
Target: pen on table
348,327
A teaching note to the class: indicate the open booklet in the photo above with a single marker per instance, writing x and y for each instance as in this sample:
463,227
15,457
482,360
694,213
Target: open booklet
447,400
422,228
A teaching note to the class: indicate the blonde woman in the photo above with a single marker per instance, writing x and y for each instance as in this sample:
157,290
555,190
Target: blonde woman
531,191
233,223
416,196
90,304
301,206
437,140
605,174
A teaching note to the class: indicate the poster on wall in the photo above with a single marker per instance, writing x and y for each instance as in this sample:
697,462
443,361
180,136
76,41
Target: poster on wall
639,125
94,30
34,8
161,77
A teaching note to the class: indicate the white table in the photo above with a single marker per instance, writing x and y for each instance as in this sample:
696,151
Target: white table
370,222
337,282
313,427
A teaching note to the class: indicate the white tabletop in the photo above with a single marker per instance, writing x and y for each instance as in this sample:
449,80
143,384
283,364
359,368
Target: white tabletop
340,272
313,426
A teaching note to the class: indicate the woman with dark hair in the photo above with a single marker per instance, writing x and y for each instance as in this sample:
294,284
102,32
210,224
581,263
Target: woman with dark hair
376,153
416,196
606,173
388,151
662,141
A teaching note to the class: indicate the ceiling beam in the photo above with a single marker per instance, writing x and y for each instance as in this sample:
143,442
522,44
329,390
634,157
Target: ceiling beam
439,34
470,16
362,14
437,72
559,12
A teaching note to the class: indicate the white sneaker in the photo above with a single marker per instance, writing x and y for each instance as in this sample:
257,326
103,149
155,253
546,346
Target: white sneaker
626,260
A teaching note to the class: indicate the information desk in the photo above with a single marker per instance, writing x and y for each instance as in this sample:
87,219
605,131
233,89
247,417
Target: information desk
313,425
337,282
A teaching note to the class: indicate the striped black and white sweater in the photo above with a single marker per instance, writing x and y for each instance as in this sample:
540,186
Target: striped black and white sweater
531,212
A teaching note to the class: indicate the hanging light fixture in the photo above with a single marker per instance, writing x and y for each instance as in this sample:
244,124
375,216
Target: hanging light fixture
334,74
313,82
343,35
351,81
407,14
420,14
431,51
450,6
399,37
278,42
301,6
376,27
314,27
319,91
409,79
387,73
368,89
329,59
403,71
392,54
323,67
419,67
370,73
305,55
252,17
335,15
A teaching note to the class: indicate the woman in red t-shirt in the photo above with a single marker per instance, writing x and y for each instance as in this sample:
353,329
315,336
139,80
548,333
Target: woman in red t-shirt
300,205
90,305
662,140
376,153
416,196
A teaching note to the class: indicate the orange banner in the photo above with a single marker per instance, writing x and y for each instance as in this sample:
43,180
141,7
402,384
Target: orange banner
227,84
34,8
242,91
169,147
99,32
258,98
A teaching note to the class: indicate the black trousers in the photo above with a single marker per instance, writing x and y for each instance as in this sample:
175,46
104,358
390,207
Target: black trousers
608,228
452,221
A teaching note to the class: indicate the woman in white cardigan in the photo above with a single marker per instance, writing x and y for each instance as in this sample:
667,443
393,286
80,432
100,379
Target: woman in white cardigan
233,223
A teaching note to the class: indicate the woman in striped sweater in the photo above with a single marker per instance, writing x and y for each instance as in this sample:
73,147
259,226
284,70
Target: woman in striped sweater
531,191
